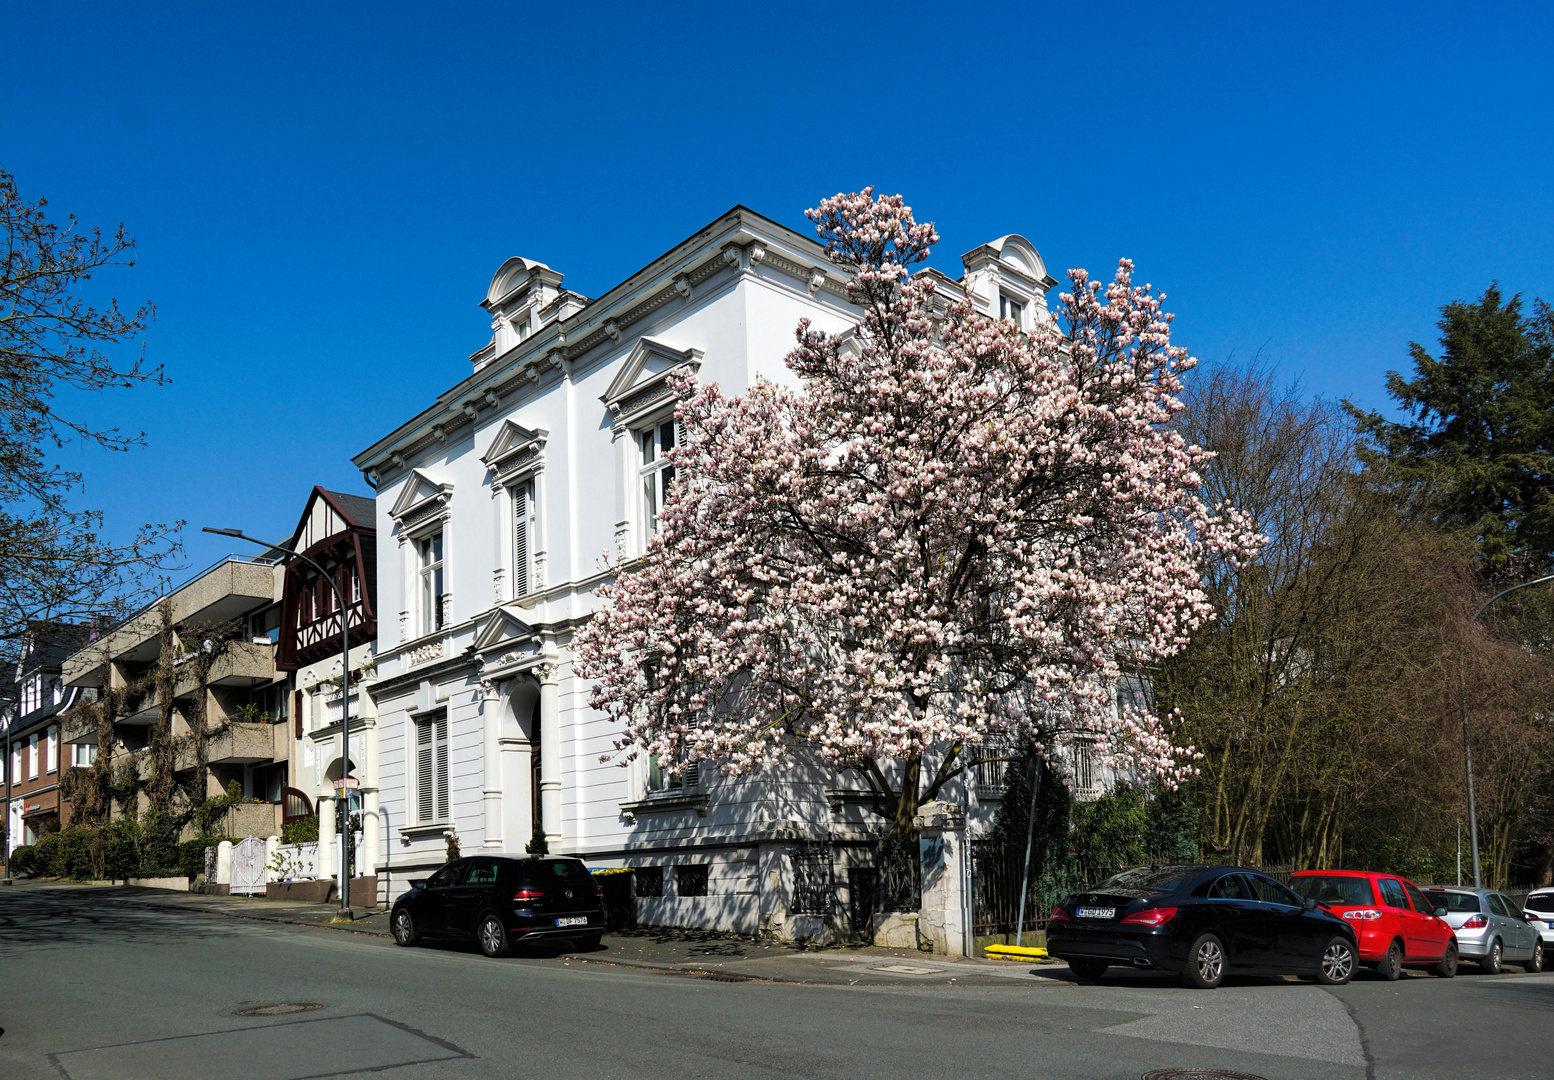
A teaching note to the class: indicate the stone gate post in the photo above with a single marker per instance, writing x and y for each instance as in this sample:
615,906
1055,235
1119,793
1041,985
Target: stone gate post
941,828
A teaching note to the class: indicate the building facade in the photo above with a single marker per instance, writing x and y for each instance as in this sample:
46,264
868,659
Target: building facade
203,657
337,532
36,756
499,511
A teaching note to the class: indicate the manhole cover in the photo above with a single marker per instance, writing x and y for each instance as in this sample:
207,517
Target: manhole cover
278,1008
1198,1074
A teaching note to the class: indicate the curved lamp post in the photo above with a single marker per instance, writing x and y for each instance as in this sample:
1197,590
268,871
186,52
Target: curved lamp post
345,700
1467,741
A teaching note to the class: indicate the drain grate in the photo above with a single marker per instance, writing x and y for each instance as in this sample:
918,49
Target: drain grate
278,1008
718,976
1197,1074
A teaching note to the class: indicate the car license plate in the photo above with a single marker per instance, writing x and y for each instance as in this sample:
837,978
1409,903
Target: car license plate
1096,912
573,920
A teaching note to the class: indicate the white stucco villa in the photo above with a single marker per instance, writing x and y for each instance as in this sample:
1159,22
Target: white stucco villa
496,506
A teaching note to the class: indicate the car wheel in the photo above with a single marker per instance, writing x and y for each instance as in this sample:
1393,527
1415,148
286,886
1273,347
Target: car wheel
1447,968
1337,963
1088,970
1391,967
1205,963
1535,965
589,943
404,928
1492,964
493,937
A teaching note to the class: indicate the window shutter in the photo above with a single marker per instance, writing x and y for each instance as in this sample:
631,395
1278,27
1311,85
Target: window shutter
442,768
521,502
296,712
424,756
690,778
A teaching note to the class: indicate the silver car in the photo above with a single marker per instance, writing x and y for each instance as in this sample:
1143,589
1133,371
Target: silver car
1539,909
1490,928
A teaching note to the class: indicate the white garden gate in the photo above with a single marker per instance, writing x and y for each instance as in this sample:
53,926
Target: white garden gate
248,874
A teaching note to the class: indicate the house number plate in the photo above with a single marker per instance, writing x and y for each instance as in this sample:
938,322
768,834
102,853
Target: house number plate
1096,912
573,920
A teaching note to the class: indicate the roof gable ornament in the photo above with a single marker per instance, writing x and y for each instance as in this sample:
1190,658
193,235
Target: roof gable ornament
642,382
515,450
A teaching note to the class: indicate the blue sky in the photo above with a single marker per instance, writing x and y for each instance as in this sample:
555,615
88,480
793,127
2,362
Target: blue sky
321,192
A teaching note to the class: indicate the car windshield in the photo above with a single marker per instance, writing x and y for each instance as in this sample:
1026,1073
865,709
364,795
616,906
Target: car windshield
1536,902
1156,879
1333,889
1456,901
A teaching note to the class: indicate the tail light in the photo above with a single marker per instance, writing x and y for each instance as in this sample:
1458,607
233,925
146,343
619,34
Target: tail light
1155,916
526,895
599,891
1058,915
1363,914
1476,922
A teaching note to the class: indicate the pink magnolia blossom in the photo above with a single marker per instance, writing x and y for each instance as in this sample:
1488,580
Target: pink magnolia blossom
954,530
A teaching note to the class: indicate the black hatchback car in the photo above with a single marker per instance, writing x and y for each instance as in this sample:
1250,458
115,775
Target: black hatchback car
500,901
1202,922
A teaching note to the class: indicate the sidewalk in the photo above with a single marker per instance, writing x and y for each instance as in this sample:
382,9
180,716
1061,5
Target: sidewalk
686,953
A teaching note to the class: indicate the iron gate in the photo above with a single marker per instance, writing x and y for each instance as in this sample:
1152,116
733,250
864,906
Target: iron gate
248,866
813,885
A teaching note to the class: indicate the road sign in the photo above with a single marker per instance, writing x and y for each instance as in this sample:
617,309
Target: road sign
347,784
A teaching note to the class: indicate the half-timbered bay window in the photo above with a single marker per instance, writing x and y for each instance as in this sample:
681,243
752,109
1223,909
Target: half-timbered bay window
431,763
429,557
523,537
656,474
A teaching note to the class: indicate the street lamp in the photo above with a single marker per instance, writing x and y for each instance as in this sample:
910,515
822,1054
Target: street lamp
345,700
1467,741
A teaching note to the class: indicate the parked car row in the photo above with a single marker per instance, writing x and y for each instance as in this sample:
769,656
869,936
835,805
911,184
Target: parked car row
1207,922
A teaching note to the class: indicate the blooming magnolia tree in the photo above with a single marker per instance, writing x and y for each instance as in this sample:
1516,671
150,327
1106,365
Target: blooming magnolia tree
955,530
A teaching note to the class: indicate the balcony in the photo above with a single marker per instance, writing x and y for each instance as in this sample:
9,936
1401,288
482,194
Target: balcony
240,744
252,819
241,664
235,585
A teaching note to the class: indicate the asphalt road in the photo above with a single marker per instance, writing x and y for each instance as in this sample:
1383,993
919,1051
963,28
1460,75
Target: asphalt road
99,991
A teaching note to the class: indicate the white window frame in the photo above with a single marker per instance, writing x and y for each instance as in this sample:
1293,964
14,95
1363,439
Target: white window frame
661,783
654,474
431,616
32,757
53,749
433,798
524,535
83,755
1011,309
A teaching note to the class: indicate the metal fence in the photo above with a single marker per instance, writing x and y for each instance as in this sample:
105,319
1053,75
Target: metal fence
899,875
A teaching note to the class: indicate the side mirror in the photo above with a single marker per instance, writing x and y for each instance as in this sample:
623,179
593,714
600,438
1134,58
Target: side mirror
418,883
1440,913
1310,904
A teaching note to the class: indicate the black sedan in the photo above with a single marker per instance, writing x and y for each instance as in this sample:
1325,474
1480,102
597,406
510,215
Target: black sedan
1202,922
501,901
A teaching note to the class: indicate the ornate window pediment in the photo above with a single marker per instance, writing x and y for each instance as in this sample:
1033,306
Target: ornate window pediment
506,640
515,451
642,383
423,499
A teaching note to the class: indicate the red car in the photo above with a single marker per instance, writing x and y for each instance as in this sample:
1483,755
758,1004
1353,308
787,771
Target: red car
1395,924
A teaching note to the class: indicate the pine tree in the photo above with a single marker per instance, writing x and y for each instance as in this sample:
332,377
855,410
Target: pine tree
1480,439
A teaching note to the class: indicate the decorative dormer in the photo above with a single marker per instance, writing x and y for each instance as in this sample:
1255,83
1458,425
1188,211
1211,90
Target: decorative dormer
1008,279
521,298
